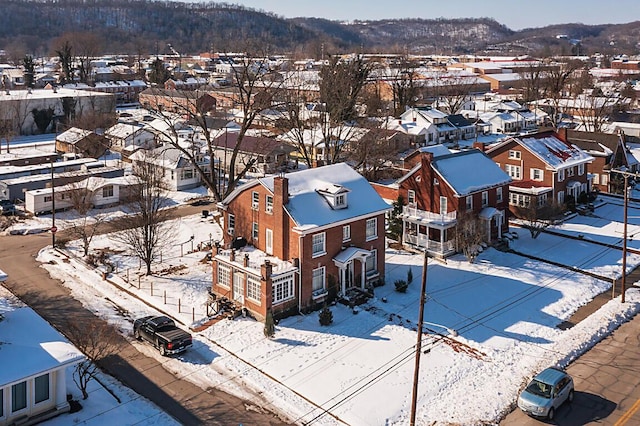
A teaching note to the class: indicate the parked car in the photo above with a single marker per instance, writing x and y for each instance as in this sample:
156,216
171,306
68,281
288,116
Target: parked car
547,391
7,207
163,333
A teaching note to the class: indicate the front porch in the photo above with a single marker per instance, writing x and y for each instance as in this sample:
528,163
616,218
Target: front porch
429,231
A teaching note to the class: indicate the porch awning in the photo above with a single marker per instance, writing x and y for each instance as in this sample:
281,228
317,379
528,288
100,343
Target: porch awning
573,184
349,254
489,212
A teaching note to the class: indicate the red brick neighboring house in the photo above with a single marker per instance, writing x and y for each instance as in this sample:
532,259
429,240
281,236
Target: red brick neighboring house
608,151
445,185
544,168
312,234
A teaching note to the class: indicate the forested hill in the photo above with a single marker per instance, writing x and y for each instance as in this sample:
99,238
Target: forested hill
145,26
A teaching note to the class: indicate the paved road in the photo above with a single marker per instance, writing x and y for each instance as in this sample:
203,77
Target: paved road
607,382
187,403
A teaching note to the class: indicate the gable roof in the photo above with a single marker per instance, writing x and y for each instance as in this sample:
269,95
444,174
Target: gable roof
73,135
549,148
31,353
469,171
252,144
594,142
309,209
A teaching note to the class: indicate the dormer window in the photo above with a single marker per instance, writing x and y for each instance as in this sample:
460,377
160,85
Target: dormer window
335,195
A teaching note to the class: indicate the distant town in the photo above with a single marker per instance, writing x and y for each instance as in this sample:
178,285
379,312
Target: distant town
262,225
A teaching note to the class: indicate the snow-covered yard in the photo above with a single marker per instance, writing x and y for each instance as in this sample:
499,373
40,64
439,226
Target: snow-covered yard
504,308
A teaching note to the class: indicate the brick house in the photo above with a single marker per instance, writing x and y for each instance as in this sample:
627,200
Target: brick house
178,101
545,168
442,188
312,235
608,151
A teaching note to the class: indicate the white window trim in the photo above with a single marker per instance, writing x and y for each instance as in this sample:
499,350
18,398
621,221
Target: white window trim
411,196
255,204
323,289
251,282
22,410
443,205
468,202
346,233
375,229
560,175
289,279
268,207
33,391
228,271
324,245
485,198
499,195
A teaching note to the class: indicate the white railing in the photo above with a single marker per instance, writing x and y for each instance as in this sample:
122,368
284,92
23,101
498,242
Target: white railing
422,241
413,212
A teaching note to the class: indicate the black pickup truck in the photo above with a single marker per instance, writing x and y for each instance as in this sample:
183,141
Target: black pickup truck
162,332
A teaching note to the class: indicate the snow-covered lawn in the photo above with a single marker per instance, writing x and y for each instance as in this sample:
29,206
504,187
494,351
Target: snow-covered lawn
504,308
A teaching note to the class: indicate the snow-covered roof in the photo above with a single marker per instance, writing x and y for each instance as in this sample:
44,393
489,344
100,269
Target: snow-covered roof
123,130
310,210
30,346
73,135
437,150
554,152
469,171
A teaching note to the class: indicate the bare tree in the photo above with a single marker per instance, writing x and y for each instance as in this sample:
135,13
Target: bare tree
299,126
254,89
376,150
403,83
81,195
87,46
13,114
145,231
65,54
97,340
537,218
340,87
451,91
556,84
469,234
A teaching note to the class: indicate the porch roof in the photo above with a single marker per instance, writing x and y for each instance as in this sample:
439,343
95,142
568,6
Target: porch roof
349,254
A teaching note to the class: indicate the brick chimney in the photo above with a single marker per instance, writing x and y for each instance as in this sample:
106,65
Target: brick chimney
232,255
245,260
562,134
479,146
281,188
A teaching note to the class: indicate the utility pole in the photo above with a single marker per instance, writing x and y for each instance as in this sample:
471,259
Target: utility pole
626,176
624,237
53,210
416,370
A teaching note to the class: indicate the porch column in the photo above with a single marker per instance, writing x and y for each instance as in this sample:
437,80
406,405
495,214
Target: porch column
500,220
343,286
442,231
363,276
60,386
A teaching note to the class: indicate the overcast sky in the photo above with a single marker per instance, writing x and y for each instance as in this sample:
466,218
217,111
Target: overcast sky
515,14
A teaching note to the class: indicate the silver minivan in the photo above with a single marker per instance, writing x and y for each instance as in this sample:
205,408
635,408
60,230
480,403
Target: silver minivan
546,392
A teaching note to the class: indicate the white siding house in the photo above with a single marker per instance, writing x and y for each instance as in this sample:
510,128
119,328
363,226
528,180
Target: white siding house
104,192
34,359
